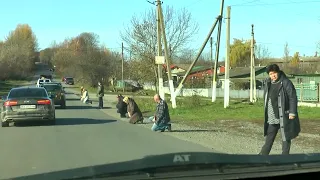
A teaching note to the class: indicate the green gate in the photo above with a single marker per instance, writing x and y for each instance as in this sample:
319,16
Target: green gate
307,92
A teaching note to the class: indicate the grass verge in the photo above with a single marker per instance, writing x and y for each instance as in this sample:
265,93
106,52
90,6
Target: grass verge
196,108
5,86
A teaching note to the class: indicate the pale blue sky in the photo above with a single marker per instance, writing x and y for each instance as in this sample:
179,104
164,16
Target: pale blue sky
276,21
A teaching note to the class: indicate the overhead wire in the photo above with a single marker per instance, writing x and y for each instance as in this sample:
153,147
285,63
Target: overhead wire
277,3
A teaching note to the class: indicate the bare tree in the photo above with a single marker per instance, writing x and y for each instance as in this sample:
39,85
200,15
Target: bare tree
286,55
261,53
84,58
46,55
186,56
318,50
141,37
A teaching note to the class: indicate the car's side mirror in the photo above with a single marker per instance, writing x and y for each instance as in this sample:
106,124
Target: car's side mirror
3,97
52,96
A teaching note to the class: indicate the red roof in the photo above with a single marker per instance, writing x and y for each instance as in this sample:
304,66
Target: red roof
172,66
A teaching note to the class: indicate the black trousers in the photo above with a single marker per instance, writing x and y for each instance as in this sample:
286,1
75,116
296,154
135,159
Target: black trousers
100,102
271,135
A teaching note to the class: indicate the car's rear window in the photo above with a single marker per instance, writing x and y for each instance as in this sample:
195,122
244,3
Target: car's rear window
28,92
69,79
52,87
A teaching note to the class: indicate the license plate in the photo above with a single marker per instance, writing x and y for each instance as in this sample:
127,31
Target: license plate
27,106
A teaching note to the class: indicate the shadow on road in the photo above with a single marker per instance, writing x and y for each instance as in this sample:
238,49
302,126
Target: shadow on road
80,107
79,121
66,92
71,87
73,99
107,108
65,122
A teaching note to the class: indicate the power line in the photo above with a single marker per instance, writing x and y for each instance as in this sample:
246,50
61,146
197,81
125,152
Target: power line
278,44
154,3
279,3
248,2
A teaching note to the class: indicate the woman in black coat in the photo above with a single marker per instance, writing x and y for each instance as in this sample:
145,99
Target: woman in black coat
280,110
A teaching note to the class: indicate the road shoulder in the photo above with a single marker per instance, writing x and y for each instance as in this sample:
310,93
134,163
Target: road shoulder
246,137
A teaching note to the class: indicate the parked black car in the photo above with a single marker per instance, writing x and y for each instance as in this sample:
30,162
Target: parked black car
57,93
69,80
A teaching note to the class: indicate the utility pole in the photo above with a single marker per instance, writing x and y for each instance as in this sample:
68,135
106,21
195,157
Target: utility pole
122,59
160,78
211,56
252,67
167,58
213,72
218,19
227,62
214,90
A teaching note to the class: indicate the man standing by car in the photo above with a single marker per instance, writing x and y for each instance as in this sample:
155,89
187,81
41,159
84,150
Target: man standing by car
100,94
280,110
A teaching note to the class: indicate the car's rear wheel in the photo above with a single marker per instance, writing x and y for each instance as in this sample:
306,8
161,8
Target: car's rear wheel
63,105
4,124
53,120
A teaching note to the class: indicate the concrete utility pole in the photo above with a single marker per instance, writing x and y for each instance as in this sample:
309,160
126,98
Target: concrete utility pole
227,63
167,58
160,78
253,97
122,61
218,19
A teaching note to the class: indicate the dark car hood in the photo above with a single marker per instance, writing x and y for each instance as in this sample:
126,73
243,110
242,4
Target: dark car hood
175,160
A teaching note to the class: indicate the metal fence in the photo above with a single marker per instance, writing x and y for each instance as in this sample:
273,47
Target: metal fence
307,92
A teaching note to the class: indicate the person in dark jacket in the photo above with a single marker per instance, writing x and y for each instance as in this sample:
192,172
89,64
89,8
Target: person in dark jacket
121,106
134,112
100,95
162,117
280,110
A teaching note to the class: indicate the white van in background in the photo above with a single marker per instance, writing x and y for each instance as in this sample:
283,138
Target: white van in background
41,81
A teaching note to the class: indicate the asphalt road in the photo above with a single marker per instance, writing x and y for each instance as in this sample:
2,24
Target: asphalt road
83,136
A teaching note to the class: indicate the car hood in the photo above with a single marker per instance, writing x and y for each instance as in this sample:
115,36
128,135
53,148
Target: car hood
170,162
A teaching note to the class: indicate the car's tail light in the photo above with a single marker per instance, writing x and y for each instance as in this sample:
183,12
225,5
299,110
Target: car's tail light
45,101
10,103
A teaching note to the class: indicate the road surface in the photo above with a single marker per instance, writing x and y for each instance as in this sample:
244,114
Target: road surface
83,136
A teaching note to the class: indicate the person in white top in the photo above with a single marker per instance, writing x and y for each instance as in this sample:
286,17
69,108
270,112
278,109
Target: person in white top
85,97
